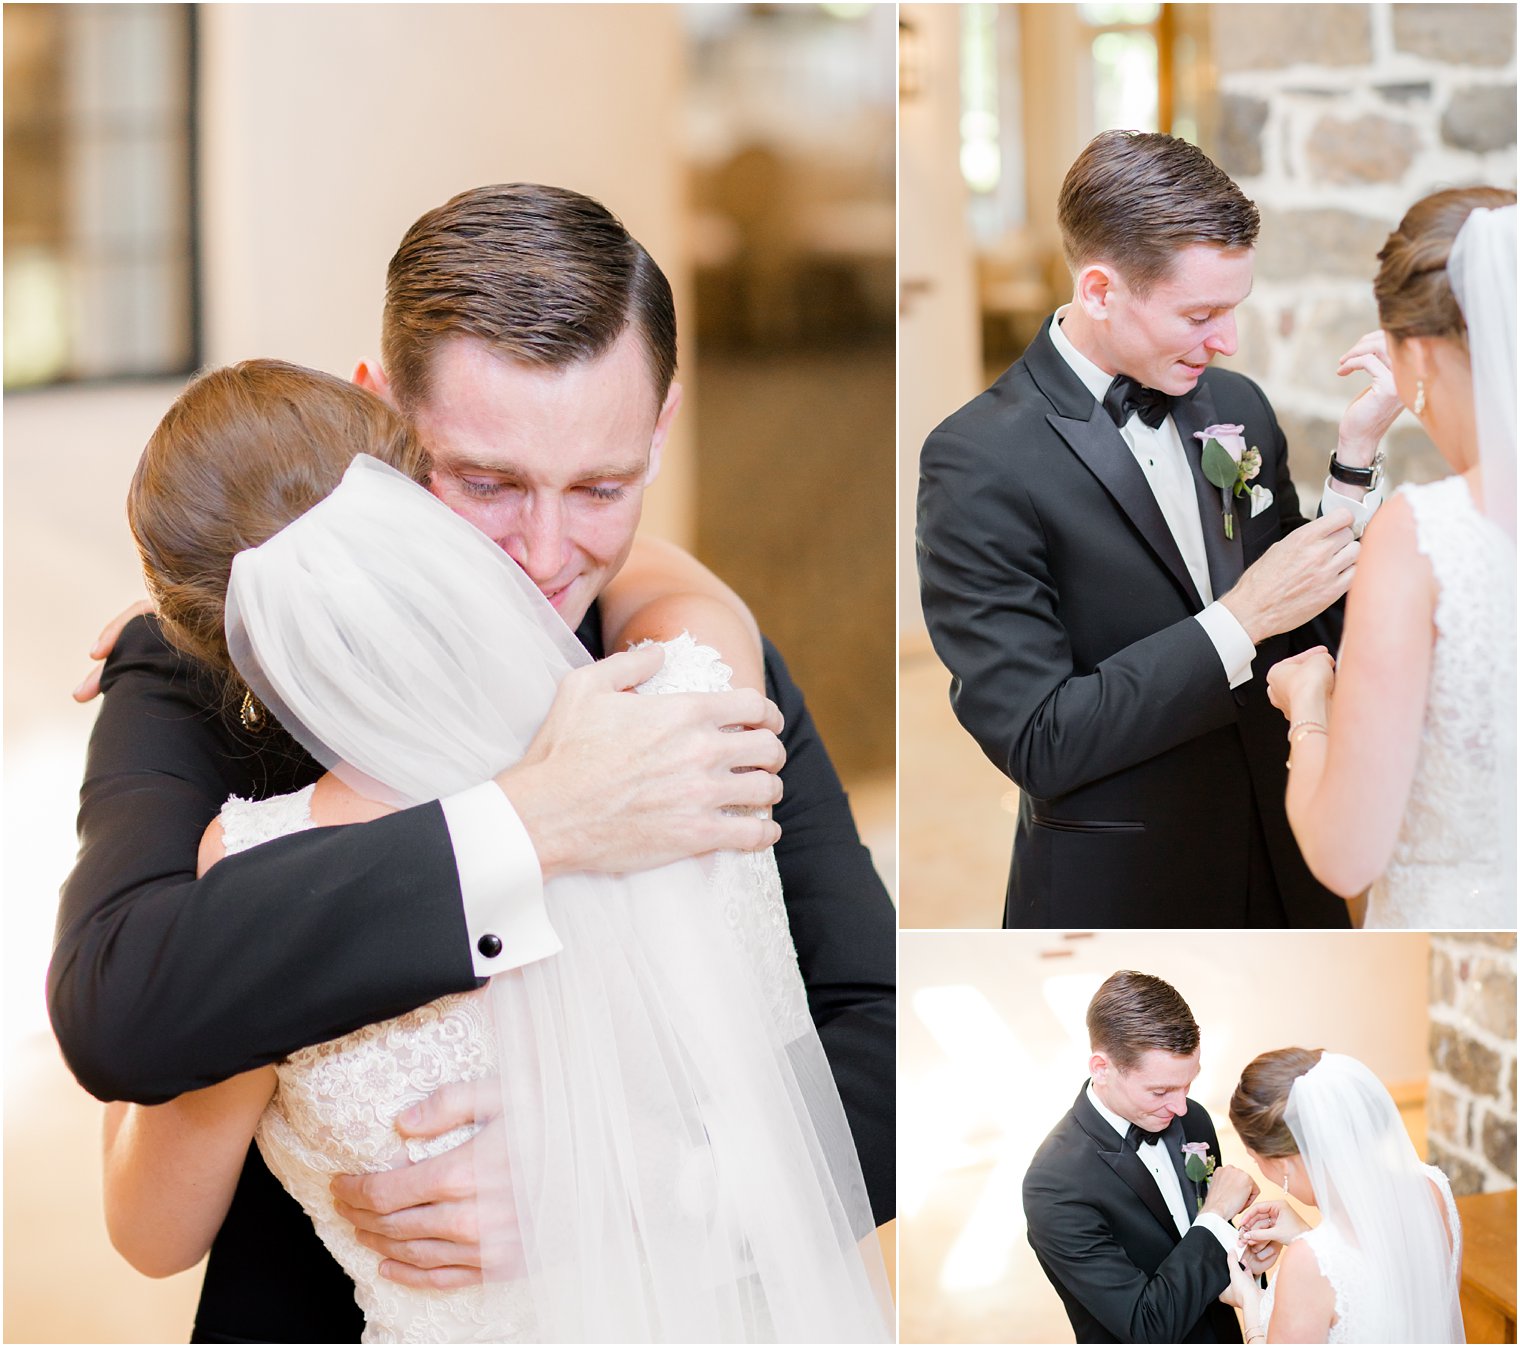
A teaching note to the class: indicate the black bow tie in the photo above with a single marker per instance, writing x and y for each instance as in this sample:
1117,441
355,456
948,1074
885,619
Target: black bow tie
1137,1137
1127,396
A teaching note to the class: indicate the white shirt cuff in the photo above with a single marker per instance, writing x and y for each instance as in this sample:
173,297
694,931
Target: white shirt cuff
1361,510
499,879
1221,1229
1230,641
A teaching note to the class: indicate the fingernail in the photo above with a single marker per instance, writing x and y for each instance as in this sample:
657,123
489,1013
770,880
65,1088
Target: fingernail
410,1117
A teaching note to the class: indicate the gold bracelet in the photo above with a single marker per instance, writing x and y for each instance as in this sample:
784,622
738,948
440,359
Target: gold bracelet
1299,724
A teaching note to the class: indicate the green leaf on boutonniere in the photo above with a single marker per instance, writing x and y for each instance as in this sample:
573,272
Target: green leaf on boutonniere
1218,466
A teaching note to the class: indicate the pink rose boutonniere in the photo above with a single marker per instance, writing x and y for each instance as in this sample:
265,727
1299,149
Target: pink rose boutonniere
1198,1164
1229,465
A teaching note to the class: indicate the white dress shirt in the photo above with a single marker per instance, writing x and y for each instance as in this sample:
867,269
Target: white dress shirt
1157,1159
1162,459
500,881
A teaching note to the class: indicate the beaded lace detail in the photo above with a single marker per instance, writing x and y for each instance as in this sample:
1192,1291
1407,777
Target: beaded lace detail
747,883
336,1103
1357,1317
1446,871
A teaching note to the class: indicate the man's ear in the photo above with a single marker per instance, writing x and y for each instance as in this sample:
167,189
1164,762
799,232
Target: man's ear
368,374
662,426
1098,1067
1094,290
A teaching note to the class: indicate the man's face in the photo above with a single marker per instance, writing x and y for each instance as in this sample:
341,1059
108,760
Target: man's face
549,463
1167,338
1151,1093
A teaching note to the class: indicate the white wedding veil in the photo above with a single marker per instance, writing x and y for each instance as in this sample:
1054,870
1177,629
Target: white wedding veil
674,1148
1375,1194
1481,269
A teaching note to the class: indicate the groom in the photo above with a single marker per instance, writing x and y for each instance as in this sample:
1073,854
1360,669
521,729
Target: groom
1137,1250
532,341
1107,613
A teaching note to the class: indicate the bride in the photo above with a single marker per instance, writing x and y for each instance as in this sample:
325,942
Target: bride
1403,751
663,1156
1382,1264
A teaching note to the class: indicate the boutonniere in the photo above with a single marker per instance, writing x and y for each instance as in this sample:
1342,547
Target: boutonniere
1198,1164
1229,465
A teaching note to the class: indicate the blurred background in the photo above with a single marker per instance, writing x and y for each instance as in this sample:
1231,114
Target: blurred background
191,185
993,1049
1334,119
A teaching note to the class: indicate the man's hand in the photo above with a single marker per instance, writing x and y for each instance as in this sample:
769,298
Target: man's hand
1373,411
1297,578
1230,1190
104,644
614,781
425,1219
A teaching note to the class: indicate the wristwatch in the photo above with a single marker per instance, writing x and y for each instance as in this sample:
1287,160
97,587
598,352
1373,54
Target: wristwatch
1366,477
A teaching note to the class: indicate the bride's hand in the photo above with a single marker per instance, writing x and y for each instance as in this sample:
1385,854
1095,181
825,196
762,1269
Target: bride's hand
1243,1292
1272,1222
1291,681
1374,410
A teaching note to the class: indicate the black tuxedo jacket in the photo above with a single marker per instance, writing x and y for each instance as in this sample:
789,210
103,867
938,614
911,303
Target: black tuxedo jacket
1104,1236
162,983
1057,598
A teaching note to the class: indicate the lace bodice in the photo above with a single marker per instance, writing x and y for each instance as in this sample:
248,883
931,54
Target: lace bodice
1448,865
1358,1318
335,1105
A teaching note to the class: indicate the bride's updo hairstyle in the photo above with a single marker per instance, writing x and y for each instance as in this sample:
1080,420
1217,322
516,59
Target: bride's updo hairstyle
243,451
1261,1099
1414,295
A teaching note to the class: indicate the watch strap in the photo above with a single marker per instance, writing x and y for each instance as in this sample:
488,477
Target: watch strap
1364,477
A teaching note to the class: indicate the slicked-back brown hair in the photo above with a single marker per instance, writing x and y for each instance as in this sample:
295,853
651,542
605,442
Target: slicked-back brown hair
1134,198
243,451
1413,291
1261,1099
1135,1012
539,274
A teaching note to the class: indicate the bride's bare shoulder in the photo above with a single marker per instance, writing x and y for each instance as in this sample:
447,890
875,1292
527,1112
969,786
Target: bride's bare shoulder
1303,1306
1439,1191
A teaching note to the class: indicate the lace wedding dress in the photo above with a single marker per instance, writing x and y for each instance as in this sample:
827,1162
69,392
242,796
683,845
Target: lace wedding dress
336,1102
1360,1317
1448,869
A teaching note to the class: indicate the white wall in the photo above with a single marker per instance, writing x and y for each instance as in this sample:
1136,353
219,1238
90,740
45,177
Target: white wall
938,340
328,129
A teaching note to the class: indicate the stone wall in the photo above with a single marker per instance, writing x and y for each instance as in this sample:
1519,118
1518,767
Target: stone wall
1334,119
1470,1111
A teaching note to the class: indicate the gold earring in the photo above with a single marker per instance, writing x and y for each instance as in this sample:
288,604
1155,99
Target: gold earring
251,714
1419,397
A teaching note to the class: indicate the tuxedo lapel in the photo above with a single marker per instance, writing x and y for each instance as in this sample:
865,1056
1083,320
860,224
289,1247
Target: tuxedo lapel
1090,433
1124,1162
1226,556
